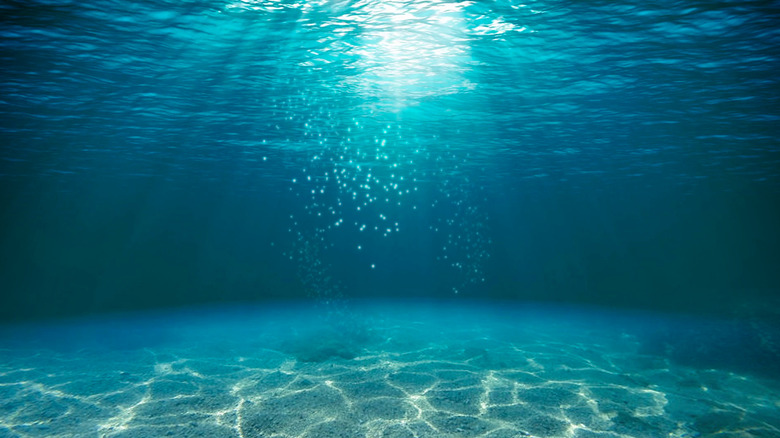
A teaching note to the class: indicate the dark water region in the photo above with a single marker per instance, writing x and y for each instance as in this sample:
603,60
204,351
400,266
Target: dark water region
100,249
160,154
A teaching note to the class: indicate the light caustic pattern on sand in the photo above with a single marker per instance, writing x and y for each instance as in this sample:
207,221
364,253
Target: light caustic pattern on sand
398,379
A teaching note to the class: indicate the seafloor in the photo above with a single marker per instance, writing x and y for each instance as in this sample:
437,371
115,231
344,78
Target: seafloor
400,370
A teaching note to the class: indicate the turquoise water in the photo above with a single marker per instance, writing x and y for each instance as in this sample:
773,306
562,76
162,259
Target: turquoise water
388,369
170,153
389,218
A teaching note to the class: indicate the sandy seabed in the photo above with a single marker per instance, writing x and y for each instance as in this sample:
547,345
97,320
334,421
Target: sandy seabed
397,371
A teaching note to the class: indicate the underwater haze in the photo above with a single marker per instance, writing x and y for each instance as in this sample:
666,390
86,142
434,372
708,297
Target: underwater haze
389,218
167,153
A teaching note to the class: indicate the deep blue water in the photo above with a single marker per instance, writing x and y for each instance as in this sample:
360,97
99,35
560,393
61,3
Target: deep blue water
160,154
389,218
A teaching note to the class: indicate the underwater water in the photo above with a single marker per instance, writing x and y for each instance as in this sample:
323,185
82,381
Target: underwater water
400,368
389,218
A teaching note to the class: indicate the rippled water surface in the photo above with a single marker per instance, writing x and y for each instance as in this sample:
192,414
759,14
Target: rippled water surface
568,209
562,90
616,152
